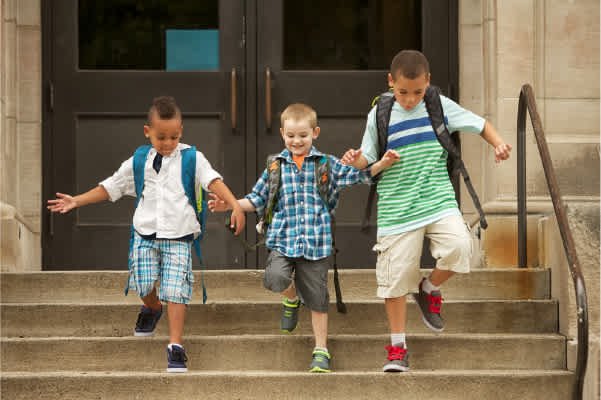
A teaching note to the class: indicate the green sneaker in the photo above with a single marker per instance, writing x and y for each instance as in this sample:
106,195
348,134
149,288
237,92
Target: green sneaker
321,361
289,320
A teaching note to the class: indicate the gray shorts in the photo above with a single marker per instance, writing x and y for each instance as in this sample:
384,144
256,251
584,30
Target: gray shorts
310,278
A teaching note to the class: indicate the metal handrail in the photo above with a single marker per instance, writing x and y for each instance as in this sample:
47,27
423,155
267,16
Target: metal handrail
527,101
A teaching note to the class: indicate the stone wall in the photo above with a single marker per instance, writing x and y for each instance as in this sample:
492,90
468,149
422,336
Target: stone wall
21,134
554,46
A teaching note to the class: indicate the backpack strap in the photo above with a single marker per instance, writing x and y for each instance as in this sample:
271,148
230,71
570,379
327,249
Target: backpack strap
139,161
322,180
273,167
189,183
436,114
384,103
383,110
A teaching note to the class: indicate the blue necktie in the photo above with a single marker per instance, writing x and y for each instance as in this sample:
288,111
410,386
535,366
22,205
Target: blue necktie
156,164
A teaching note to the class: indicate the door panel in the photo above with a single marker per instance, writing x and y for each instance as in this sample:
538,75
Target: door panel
337,85
99,110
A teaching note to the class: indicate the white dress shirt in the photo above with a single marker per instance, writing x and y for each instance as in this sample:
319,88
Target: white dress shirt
164,208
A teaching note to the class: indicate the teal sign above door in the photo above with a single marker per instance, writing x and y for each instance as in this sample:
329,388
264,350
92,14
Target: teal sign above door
192,49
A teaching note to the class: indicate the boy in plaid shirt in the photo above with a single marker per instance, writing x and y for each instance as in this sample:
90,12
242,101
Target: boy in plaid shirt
299,236
164,221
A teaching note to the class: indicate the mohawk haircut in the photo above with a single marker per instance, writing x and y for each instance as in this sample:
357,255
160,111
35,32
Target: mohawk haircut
163,107
299,112
409,64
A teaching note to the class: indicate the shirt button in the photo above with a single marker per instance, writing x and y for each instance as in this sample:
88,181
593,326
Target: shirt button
302,202
302,220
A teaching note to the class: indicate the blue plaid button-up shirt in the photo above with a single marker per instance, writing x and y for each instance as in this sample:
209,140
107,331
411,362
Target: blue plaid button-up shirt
301,222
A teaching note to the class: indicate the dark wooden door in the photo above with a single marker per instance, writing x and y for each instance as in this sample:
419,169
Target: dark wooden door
335,56
104,62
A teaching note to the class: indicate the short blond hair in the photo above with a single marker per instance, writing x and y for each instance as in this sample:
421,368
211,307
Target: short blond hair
299,112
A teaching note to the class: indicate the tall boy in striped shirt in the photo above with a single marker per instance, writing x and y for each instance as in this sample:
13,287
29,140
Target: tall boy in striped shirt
416,199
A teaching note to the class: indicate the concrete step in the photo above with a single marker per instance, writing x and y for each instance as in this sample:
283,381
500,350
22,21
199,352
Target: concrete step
462,316
434,385
284,353
247,285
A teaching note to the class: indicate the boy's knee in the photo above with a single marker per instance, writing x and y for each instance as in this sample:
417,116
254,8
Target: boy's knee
463,247
144,289
277,280
459,251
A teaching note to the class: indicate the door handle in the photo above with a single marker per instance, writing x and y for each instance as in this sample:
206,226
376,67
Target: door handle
268,98
233,98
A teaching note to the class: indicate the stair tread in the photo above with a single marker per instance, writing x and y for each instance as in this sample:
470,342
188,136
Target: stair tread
238,373
108,285
332,336
266,302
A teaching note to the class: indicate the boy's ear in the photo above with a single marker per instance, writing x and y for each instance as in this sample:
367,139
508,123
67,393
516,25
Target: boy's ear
146,130
428,75
316,132
390,80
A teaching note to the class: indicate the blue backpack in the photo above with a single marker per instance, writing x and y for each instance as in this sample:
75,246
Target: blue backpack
189,183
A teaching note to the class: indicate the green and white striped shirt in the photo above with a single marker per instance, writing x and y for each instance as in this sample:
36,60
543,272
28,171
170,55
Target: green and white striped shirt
416,191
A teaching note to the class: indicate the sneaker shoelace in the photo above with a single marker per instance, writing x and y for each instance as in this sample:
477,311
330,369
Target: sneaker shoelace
178,355
144,319
435,303
319,358
396,353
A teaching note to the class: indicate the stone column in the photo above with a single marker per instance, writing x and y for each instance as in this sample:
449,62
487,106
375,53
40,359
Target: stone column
21,156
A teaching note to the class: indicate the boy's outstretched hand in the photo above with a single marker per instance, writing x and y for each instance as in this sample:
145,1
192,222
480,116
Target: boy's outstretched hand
63,204
390,157
350,157
238,220
217,204
502,152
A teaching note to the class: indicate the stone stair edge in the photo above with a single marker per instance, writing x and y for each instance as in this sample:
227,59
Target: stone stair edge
270,302
438,372
336,337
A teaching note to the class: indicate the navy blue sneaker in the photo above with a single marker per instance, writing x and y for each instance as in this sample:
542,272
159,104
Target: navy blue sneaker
147,321
176,358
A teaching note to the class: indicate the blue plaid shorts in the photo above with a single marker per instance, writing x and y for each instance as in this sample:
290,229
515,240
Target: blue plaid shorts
164,259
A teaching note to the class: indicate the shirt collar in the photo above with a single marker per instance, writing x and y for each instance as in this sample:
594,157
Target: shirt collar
286,155
175,153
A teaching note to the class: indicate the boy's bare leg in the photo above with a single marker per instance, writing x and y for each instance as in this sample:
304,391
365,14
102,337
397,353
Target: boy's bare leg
439,276
177,315
151,300
320,328
290,292
396,309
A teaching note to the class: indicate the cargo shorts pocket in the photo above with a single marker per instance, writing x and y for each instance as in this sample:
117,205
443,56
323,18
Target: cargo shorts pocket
471,237
383,264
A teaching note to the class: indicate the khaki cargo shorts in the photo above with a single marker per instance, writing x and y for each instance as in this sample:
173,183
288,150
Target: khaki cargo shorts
398,265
